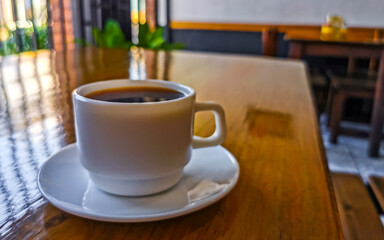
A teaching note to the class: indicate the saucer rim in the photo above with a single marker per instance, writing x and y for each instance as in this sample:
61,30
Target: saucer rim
189,208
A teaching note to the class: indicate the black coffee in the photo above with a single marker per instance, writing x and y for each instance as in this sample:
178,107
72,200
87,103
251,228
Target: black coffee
135,94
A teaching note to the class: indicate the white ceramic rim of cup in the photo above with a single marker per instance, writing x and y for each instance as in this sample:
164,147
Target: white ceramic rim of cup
108,84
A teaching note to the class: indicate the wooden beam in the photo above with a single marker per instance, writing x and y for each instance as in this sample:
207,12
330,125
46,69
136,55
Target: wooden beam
251,27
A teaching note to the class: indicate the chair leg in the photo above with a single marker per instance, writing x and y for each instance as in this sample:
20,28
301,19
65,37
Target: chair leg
376,134
378,113
328,109
336,115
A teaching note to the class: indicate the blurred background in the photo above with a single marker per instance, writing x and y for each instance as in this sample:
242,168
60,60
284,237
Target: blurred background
219,26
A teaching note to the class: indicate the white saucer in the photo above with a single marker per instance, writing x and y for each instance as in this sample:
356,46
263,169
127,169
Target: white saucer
208,177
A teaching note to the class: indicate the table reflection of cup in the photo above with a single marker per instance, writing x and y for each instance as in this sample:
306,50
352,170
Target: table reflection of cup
139,148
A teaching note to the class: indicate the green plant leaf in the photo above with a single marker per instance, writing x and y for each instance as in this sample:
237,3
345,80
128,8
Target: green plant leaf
157,39
145,35
156,43
42,37
114,41
113,37
112,27
173,46
82,42
27,41
159,32
128,45
99,37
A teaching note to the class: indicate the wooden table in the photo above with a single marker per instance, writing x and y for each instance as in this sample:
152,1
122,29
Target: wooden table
352,46
284,190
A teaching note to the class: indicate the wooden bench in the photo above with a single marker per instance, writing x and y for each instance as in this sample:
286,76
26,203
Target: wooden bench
359,216
377,185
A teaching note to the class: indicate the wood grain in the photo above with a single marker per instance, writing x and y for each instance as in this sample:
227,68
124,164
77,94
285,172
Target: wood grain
284,190
358,213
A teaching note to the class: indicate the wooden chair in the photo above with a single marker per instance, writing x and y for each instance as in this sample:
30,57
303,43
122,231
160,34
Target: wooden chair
269,42
343,87
320,87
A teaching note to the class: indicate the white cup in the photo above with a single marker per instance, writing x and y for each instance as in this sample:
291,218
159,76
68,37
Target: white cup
136,149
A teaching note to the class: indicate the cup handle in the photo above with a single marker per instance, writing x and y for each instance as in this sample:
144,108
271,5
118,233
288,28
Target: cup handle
218,136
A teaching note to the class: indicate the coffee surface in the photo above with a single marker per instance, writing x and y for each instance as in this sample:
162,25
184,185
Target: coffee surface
135,94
